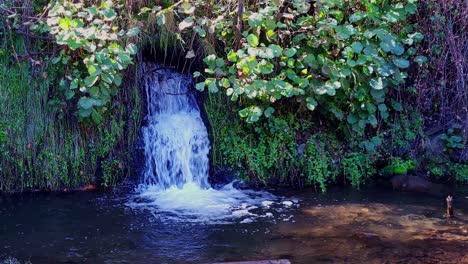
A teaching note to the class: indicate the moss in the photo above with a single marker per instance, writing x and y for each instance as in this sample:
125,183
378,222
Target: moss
42,145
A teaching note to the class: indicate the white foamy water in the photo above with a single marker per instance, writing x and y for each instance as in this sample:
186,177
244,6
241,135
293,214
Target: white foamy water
175,180
194,204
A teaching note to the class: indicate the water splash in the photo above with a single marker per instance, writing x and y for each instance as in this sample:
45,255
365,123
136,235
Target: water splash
176,140
175,180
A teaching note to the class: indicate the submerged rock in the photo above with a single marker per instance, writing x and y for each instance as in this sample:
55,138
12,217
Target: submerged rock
416,184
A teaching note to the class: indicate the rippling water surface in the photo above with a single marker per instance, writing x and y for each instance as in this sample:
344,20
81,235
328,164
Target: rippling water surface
342,226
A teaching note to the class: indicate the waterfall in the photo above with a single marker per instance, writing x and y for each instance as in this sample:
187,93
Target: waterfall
175,184
175,138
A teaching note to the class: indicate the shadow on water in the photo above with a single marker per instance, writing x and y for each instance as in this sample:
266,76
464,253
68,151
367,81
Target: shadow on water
342,226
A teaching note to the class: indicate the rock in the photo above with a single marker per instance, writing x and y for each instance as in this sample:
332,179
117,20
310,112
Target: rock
221,177
415,184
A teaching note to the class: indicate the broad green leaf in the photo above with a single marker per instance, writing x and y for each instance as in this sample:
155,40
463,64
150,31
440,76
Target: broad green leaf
131,48
376,84
290,52
357,17
311,103
97,117
90,80
69,94
268,112
420,60
351,118
74,43
401,63
64,24
200,86
357,47
86,102
109,14
252,40
117,79
186,23
232,56
133,32
212,87
107,78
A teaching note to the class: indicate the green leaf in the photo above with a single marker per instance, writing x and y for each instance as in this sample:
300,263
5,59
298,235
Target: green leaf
97,118
357,16
73,43
232,56
109,14
90,80
64,24
417,36
276,49
74,83
107,78
290,52
219,62
371,50
131,48
397,106
268,112
398,49
252,40
186,23
86,102
200,86
93,70
411,8
83,113
382,108
351,119
401,63
56,60
69,94
311,103
117,79
133,32
376,84
420,60
357,47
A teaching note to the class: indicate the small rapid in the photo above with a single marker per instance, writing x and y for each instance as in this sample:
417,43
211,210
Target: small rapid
175,178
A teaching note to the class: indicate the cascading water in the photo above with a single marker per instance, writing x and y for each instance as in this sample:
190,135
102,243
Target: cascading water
176,140
175,180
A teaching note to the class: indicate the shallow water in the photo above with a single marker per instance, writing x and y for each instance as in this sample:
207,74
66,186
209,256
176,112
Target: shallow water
342,226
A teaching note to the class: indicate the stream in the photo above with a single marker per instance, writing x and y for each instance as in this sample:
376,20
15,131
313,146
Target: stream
172,215
374,225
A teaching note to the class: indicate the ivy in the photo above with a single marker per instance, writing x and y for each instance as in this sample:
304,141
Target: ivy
342,57
92,51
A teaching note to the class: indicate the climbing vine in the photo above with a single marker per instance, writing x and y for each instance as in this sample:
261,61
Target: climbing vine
340,56
92,51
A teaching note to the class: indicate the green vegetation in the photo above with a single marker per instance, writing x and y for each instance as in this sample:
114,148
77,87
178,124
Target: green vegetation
343,58
90,51
42,143
299,93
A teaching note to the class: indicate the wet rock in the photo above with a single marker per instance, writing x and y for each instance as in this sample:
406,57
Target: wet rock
243,185
416,184
221,177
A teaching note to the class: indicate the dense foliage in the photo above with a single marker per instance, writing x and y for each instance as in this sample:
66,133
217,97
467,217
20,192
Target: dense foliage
297,92
341,56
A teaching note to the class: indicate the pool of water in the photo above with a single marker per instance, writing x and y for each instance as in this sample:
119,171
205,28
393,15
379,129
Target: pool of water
376,225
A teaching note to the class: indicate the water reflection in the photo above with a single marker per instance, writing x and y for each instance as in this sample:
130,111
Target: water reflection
341,226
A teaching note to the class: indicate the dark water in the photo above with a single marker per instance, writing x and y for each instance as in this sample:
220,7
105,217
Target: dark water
342,226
